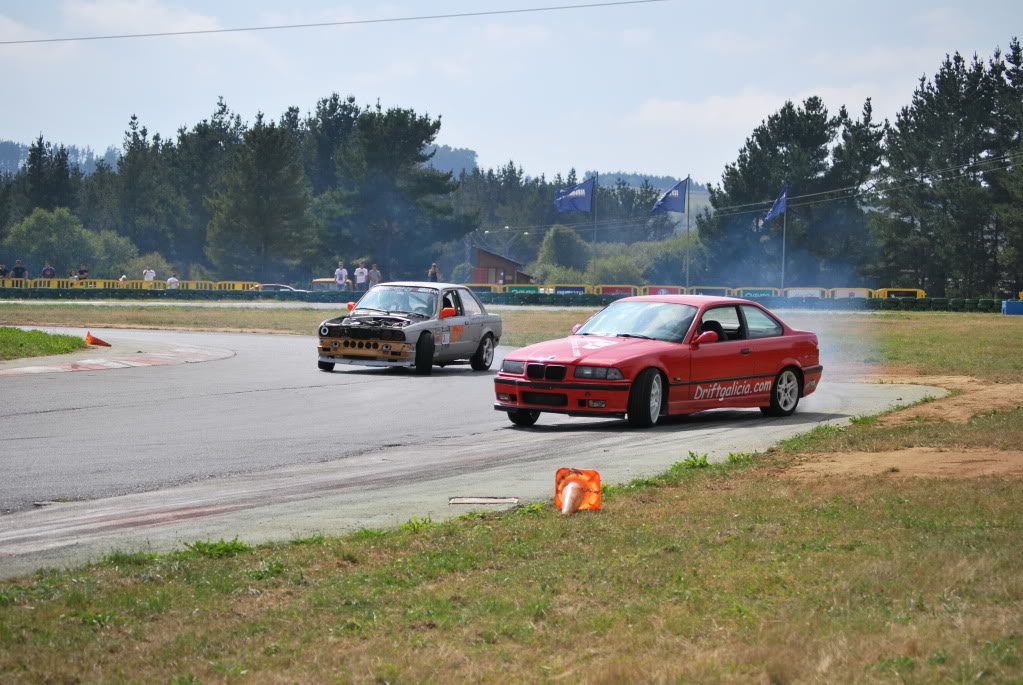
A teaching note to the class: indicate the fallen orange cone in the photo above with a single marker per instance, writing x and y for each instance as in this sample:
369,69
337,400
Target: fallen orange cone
576,489
90,339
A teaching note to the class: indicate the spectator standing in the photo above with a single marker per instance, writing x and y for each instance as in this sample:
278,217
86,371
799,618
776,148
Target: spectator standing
361,274
433,275
123,280
19,271
172,282
148,274
83,272
341,276
48,271
3,271
72,276
374,276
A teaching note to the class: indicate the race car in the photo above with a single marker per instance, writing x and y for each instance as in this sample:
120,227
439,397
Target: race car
663,355
411,324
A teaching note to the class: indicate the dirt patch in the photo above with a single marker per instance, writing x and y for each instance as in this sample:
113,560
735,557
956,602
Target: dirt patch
972,397
914,462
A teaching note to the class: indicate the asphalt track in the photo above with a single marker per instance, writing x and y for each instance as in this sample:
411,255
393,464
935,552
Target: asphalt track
262,445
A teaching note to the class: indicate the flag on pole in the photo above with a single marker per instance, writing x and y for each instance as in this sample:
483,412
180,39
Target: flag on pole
578,197
780,204
674,199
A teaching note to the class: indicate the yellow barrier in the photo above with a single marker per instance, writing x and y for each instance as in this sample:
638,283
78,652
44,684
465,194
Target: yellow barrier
50,283
13,282
616,289
662,290
719,290
755,291
236,285
842,293
568,288
900,292
806,292
197,285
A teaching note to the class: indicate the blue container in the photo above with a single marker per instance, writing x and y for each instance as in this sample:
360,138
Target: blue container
1012,307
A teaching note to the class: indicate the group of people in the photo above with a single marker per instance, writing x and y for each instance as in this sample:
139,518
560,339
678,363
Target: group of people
364,278
19,270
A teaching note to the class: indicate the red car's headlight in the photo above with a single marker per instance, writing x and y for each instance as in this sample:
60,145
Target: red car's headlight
511,366
605,372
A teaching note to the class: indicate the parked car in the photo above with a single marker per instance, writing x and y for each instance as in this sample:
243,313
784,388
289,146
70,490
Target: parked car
411,324
326,284
663,355
277,288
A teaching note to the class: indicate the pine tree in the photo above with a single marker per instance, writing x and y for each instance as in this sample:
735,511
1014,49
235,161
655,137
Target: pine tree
261,226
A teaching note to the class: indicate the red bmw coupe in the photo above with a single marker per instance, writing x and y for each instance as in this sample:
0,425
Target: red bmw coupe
663,355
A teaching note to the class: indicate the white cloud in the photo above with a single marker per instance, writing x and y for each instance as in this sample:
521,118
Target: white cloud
636,36
134,16
742,110
36,55
511,37
945,22
876,59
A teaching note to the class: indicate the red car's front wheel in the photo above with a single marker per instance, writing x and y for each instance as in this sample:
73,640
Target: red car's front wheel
646,399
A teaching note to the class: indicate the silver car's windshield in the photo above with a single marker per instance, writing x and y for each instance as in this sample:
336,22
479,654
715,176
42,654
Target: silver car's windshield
399,299
654,320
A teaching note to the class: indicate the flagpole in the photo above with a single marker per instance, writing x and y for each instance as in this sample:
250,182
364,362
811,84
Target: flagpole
689,243
593,259
784,228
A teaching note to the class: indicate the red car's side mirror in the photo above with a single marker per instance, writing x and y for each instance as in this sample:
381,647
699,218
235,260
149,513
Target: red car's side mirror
575,328
351,306
447,312
705,337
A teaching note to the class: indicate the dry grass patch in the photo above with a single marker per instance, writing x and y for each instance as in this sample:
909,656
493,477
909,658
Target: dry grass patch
521,327
717,573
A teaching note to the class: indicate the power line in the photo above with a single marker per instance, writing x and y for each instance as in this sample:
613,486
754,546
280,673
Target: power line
351,22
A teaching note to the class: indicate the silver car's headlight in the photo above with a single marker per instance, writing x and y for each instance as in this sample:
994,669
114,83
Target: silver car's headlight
510,366
606,372
324,330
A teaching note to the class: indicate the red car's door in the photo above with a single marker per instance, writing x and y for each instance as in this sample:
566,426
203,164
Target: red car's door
766,337
722,372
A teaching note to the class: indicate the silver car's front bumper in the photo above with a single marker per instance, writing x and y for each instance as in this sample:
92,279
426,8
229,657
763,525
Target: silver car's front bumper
350,361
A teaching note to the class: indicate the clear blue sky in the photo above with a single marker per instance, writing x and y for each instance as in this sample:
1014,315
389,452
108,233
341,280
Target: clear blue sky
666,88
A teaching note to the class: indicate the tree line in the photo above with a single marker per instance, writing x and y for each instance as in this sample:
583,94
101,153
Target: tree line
272,199
933,199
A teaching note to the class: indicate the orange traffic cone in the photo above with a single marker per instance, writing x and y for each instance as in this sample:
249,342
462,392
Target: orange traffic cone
576,489
90,339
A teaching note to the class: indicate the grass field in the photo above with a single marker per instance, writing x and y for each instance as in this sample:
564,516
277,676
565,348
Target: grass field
735,573
16,343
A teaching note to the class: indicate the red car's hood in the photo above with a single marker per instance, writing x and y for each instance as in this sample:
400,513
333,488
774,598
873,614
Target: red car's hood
590,349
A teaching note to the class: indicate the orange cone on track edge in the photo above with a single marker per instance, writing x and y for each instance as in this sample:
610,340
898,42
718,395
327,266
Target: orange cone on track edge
90,339
576,489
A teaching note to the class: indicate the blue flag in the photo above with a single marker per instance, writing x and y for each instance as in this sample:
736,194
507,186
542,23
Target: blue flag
780,204
674,200
578,197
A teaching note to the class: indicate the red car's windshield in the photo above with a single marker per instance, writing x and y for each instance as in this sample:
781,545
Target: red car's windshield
654,320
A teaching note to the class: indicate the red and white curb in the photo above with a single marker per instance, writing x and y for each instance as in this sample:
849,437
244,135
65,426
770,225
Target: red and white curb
177,355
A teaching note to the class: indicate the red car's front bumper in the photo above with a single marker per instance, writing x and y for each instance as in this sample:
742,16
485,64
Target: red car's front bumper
576,398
